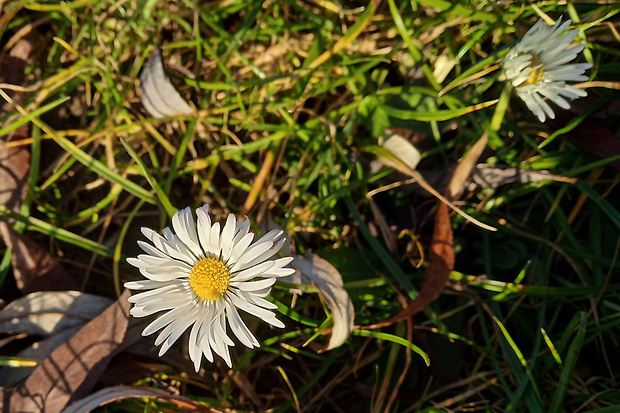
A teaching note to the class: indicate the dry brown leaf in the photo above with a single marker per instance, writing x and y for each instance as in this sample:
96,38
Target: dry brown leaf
14,161
14,169
57,316
159,96
441,255
110,394
492,176
465,167
47,313
33,267
39,351
71,371
12,69
316,271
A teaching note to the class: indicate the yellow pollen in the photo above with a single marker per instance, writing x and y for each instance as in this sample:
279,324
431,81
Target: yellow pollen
209,278
536,74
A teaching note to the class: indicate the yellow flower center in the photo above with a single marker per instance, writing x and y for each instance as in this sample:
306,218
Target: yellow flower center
536,74
209,278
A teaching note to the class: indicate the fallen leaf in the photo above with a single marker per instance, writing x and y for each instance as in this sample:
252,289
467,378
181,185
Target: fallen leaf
34,268
47,313
159,96
55,316
111,394
72,370
465,167
12,69
314,270
493,176
39,351
14,170
14,161
441,256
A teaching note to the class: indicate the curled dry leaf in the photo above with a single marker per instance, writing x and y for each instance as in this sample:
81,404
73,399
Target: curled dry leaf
72,370
492,176
33,267
110,394
312,269
159,96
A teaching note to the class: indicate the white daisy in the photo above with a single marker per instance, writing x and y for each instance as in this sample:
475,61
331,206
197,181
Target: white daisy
201,276
537,66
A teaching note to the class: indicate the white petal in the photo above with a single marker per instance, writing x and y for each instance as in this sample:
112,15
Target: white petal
214,240
264,256
178,245
226,240
242,229
255,310
204,227
185,229
255,271
255,285
239,328
163,245
146,284
163,273
195,354
241,246
174,330
166,319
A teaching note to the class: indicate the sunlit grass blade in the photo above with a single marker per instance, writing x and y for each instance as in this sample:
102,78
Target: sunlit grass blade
395,339
162,197
31,115
524,363
43,227
554,351
438,115
570,363
16,362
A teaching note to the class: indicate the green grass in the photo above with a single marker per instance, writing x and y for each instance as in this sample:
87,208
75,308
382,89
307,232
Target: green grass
291,96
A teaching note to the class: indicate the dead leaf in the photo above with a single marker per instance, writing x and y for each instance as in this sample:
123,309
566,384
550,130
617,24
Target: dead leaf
39,351
33,267
493,176
110,394
72,370
12,69
55,316
14,161
48,313
14,170
463,170
314,270
159,96
441,256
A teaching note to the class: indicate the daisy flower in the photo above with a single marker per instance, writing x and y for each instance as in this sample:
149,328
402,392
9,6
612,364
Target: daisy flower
537,66
201,277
